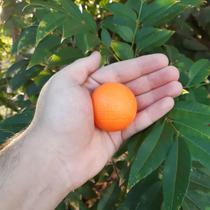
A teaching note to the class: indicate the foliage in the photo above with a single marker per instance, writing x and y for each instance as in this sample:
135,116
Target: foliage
167,166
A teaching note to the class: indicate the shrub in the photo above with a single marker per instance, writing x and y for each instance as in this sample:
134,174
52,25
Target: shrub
167,166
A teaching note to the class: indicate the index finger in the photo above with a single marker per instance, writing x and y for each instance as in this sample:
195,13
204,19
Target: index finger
125,71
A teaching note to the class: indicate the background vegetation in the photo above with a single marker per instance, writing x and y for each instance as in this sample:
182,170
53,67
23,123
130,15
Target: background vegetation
167,166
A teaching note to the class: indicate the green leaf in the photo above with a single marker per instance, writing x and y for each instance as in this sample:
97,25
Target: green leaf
105,37
122,10
16,67
203,17
118,21
89,21
198,95
109,197
122,50
134,4
198,142
61,206
16,123
199,178
149,37
8,102
163,11
136,195
71,9
158,12
83,24
48,4
65,56
198,72
87,41
152,198
124,32
27,38
194,108
176,175
198,199
44,50
194,44
24,76
72,27
179,60
194,115
194,136
48,24
151,153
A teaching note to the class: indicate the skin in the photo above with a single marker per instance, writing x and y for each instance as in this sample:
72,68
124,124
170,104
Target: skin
61,149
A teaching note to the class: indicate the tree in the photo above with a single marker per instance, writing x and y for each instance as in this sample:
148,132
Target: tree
167,166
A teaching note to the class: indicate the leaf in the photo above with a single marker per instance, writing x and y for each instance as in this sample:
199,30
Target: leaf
198,142
65,56
105,37
4,135
83,24
118,21
124,32
179,60
48,4
198,199
163,11
200,179
24,76
176,175
16,67
108,198
89,21
194,108
201,95
151,153
149,37
48,24
134,4
203,17
122,50
6,101
198,72
27,38
15,123
122,10
71,9
136,195
194,44
193,115
61,206
151,199
72,27
44,50
87,41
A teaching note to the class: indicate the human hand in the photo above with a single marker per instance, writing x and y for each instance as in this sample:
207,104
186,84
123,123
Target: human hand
64,115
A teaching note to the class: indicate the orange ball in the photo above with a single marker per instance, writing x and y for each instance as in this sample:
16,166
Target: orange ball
114,106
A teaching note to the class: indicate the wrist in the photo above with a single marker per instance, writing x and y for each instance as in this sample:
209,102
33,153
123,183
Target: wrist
40,180
43,149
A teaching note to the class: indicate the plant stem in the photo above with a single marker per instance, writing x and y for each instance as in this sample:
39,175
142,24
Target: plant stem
172,125
137,24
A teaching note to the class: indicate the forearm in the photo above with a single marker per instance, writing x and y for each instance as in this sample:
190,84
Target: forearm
28,180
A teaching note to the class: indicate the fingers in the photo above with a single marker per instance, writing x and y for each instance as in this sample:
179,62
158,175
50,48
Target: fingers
153,80
171,89
79,70
148,116
128,70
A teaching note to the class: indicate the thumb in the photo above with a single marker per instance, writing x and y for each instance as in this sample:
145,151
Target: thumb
79,70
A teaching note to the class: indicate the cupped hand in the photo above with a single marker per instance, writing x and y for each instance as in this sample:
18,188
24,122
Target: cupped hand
64,114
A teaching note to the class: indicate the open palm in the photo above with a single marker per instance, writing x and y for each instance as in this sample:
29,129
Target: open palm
64,108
